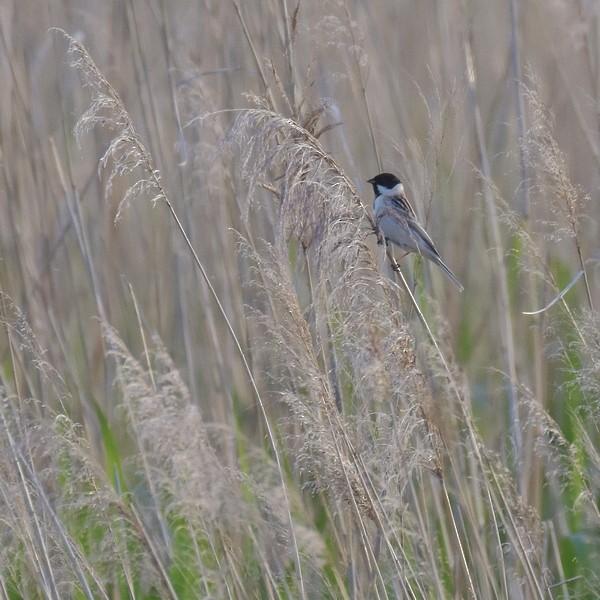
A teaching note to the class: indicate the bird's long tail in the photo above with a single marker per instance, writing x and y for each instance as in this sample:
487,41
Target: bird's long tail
440,263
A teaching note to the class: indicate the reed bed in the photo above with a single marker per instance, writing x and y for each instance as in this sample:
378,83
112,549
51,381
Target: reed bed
213,384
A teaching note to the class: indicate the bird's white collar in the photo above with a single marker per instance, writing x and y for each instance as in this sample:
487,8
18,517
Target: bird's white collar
397,190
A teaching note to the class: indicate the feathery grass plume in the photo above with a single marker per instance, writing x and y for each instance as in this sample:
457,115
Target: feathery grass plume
190,492
553,186
126,153
202,505
42,380
68,529
323,457
556,193
172,438
65,531
571,489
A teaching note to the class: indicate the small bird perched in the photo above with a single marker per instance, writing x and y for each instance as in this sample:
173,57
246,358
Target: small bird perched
398,222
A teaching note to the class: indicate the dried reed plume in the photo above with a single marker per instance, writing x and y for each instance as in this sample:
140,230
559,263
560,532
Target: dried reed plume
126,152
559,196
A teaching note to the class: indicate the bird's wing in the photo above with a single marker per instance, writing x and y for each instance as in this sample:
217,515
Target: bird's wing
403,205
422,240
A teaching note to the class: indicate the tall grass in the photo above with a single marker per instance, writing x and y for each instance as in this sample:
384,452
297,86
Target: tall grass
214,385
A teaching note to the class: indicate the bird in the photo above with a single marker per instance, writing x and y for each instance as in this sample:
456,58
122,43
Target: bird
398,222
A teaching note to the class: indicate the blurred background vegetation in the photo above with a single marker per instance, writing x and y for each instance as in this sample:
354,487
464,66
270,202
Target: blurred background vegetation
340,450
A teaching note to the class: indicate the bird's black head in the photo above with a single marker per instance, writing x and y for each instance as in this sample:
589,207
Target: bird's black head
383,180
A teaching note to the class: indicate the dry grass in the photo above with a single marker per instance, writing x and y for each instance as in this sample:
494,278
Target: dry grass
213,385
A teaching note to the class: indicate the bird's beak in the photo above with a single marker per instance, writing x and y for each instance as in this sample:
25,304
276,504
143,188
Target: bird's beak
370,181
